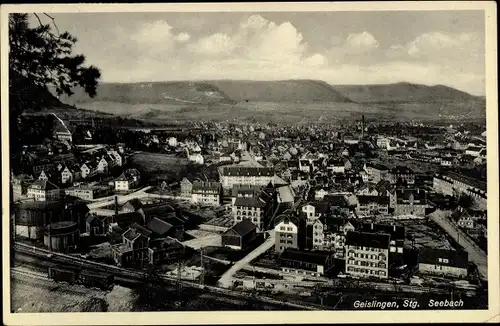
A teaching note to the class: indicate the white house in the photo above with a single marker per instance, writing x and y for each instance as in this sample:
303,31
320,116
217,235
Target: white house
172,142
88,169
42,190
320,194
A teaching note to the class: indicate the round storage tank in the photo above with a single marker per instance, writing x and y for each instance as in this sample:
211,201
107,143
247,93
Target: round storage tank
62,236
30,218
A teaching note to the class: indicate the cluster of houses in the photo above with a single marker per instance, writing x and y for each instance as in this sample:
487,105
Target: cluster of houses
311,235
86,178
141,235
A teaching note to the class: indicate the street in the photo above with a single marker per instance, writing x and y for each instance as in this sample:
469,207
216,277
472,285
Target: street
476,255
227,278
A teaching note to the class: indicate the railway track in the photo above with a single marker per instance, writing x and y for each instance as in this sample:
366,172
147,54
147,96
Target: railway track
138,275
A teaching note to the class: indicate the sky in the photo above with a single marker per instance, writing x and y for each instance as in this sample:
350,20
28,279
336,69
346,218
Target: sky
364,47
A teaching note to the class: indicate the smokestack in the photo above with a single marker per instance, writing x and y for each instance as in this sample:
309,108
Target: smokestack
362,127
116,205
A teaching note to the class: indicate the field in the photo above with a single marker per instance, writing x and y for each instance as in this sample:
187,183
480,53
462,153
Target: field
156,162
281,112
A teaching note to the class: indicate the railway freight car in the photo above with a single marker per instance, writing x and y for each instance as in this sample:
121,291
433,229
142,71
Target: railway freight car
102,281
63,274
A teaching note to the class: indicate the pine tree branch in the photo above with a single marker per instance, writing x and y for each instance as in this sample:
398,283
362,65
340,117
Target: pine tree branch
53,22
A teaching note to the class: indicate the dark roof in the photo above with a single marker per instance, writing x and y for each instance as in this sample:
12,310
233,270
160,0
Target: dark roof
383,186
455,258
321,207
381,200
291,218
406,193
247,171
312,257
158,210
249,202
141,229
334,223
365,239
244,189
200,185
243,228
135,231
124,220
43,185
401,170
158,226
396,232
467,180
135,203
336,201
174,221
377,166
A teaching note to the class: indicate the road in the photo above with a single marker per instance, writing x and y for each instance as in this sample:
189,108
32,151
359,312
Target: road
248,160
122,199
476,254
96,206
227,278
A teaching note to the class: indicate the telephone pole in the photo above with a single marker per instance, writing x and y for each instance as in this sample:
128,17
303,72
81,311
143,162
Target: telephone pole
202,275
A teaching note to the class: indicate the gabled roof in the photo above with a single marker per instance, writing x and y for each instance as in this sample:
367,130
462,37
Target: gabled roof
135,203
312,257
159,227
126,219
243,228
43,185
141,229
364,239
431,256
249,202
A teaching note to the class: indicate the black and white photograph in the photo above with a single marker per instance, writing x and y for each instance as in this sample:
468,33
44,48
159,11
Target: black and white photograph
251,158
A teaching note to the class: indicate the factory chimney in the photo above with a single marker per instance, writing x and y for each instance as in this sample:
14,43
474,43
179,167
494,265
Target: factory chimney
116,207
362,127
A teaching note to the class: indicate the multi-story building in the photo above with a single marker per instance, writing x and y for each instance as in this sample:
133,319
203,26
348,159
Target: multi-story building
208,193
315,210
289,232
43,190
127,180
376,172
89,192
89,169
455,184
368,205
335,235
382,142
232,175
367,254
251,208
402,175
411,202
186,186
396,233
